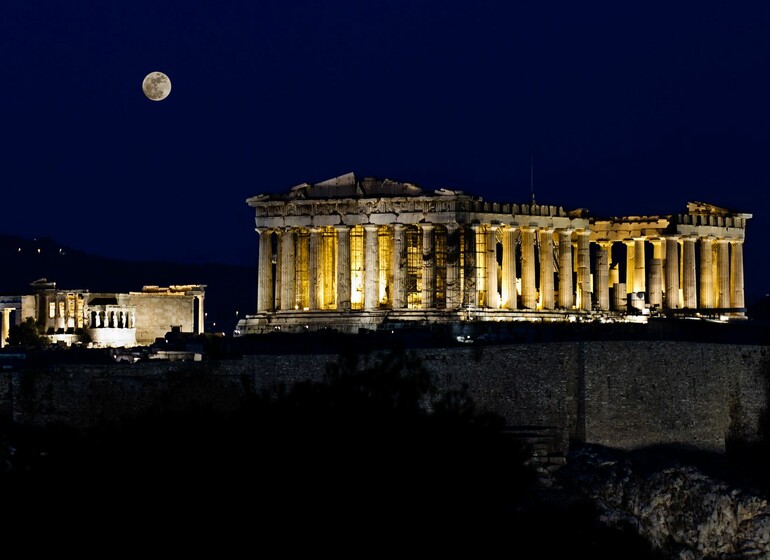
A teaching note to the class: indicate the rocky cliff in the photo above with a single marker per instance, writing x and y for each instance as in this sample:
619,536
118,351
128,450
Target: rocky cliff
685,510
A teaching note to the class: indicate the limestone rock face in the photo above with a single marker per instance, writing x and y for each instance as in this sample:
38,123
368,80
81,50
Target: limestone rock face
681,511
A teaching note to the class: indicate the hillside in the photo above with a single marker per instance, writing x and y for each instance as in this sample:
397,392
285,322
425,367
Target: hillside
230,289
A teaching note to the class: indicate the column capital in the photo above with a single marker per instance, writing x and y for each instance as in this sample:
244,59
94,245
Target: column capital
260,230
426,226
369,227
604,243
722,240
342,227
569,230
451,227
737,240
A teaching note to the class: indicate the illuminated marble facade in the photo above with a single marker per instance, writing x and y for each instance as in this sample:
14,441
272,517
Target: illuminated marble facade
348,254
105,319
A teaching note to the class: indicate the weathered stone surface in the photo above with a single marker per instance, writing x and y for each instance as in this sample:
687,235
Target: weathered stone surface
684,513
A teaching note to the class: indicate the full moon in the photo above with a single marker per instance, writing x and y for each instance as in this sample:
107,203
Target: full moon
156,86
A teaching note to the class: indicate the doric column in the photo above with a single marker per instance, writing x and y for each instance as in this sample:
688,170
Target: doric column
493,296
602,276
5,326
469,284
706,273
371,271
723,273
736,273
655,288
528,285
343,267
314,271
672,272
398,267
481,266
287,269
630,264
639,264
265,271
583,291
428,267
565,269
509,268
453,294
546,268
620,299
689,296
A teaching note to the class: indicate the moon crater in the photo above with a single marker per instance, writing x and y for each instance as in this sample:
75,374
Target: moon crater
156,86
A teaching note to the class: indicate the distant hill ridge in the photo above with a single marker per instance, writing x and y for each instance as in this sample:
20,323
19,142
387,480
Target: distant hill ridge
230,289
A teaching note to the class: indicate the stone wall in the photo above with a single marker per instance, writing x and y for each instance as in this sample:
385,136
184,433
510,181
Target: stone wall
623,394
156,314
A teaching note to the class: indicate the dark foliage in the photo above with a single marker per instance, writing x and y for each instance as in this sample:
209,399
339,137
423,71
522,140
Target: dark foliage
27,335
372,459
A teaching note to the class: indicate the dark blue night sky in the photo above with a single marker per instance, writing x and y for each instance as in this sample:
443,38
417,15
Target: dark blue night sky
624,108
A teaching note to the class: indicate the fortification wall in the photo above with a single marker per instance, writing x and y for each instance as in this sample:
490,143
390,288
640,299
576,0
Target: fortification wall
622,393
645,393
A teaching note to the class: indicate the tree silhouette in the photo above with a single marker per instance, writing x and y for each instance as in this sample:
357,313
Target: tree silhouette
370,459
26,334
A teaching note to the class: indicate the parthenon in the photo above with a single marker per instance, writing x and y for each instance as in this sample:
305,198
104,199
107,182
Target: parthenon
355,253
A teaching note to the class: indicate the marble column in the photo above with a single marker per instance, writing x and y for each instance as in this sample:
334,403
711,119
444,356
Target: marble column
689,296
399,266
620,299
479,253
672,273
528,285
546,268
602,276
5,326
428,267
640,284
723,273
655,288
287,269
736,273
630,254
314,271
371,270
583,292
493,296
566,299
509,268
470,274
265,271
343,267
706,273
453,296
